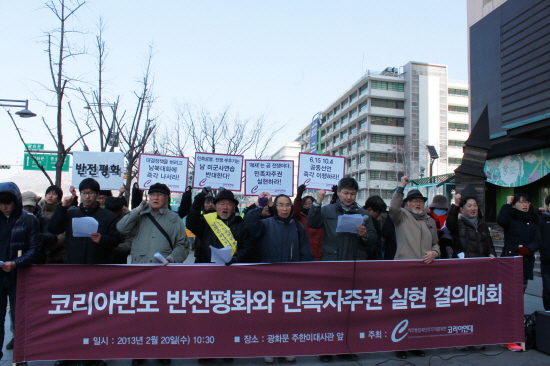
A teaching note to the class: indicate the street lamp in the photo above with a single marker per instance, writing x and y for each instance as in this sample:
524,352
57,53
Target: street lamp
24,113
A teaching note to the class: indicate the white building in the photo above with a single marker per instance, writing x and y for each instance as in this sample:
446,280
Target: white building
290,151
384,122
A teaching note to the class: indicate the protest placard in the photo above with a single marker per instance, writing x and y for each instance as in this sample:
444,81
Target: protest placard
320,171
107,168
218,170
169,170
272,176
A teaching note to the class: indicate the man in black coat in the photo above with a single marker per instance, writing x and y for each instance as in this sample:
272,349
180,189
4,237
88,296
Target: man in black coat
96,249
19,231
545,253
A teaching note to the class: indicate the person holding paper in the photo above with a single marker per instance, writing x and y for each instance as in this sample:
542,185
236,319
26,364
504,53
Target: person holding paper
300,212
220,229
340,242
415,231
19,231
95,247
149,239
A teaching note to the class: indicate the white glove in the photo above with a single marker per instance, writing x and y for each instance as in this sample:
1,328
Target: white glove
144,205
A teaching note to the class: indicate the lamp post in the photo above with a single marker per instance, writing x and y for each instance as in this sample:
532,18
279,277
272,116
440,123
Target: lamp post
24,113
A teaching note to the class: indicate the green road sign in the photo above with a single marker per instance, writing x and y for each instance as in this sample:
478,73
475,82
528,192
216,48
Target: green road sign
35,146
46,160
5,166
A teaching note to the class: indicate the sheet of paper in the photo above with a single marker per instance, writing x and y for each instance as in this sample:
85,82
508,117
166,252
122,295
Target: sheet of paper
2,263
349,223
220,256
83,227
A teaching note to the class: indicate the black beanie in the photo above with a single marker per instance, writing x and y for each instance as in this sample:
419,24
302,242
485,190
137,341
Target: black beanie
57,190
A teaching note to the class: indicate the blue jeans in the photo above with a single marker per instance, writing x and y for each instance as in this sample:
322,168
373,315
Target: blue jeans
7,293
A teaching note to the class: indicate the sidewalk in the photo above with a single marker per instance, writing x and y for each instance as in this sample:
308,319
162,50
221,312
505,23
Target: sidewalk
492,355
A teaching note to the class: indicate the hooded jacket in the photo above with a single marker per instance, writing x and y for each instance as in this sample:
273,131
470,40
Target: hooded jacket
473,242
341,246
19,231
85,250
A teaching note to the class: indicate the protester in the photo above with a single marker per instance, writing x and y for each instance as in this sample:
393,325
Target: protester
300,212
185,203
137,195
220,229
280,238
155,229
545,253
415,232
438,212
341,246
388,236
55,250
97,248
102,196
208,207
30,204
375,205
521,232
117,205
19,231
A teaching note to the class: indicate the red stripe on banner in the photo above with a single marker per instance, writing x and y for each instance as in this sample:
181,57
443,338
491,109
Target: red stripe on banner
80,312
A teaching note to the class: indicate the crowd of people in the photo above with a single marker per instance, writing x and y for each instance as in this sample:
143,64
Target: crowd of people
36,230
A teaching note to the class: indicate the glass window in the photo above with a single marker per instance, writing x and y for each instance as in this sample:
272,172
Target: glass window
353,113
387,103
363,123
455,161
345,120
363,89
363,105
384,157
386,139
353,129
458,109
336,110
330,115
456,143
362,176
461,127
382,175
344,135
336,139
362,159
387,85
336,125
387,121
458,92
385,193
344,104
353,97
344,150
354,144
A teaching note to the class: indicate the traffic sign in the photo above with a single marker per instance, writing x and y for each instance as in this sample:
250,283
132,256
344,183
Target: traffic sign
46,160
35,146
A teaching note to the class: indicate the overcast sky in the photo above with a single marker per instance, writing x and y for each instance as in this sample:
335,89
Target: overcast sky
288,59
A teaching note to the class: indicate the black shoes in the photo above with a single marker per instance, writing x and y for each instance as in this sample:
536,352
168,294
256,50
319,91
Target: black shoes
348,357
403,354
165,361
418,352
10,344
137,362
325,358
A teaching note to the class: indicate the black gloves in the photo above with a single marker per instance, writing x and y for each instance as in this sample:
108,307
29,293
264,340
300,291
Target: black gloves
301,190
334,194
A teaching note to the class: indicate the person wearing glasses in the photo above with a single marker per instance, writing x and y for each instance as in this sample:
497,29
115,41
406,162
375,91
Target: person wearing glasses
98,247
522,236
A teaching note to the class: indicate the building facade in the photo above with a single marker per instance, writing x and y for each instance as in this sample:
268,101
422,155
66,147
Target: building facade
509,50
384,123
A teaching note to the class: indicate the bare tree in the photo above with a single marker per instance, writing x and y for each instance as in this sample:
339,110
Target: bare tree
135,135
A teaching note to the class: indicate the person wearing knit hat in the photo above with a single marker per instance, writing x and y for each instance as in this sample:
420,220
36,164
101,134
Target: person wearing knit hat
438,211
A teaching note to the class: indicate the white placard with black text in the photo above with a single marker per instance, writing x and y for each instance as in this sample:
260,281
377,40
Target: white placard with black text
320,171
169,170
272,176
107,168
218,170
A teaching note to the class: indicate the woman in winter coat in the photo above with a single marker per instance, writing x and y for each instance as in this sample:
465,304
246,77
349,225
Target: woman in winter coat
522,236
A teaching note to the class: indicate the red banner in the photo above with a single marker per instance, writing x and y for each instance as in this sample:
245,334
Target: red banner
79,312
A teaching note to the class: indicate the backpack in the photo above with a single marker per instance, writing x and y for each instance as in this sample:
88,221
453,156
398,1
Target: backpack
529,322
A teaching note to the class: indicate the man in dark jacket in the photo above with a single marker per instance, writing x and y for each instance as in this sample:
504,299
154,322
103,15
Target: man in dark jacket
224,217
471,237
96,249
19,231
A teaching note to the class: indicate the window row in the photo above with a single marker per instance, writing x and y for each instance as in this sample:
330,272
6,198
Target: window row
387,85
460,127
458,109
458,92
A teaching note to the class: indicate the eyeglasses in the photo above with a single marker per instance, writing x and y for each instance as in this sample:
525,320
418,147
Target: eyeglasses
88,194
156,194
524,202
417,200
284,205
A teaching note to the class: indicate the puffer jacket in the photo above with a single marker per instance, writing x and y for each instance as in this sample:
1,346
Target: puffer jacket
520,228
544,224
279,240
55,250
341,246
466,238
20,231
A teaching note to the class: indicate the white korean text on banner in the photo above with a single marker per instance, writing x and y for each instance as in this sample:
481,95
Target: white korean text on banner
320,171
218,170
272,176
107,168
169,170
